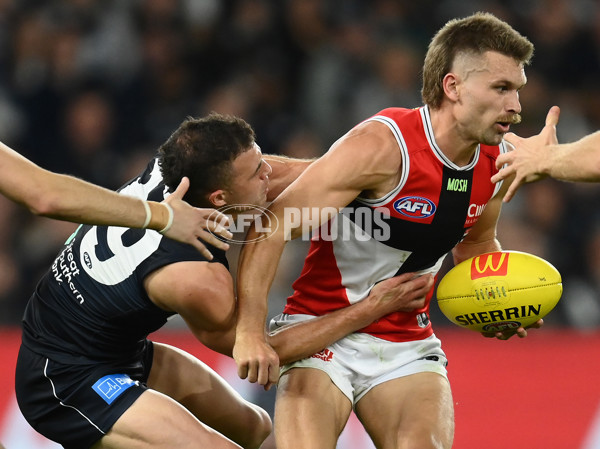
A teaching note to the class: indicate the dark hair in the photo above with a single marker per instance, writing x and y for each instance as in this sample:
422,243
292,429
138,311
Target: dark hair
477,34
203,149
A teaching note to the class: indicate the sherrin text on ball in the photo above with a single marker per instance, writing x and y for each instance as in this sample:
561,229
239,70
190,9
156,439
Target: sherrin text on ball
499,291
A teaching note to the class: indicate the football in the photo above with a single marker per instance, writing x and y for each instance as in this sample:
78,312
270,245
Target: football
499,291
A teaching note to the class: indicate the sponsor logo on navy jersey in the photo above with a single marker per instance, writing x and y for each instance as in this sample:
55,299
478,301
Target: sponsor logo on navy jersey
415,207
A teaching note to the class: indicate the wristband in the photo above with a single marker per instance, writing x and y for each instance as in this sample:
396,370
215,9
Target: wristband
170,220
148,214
161,218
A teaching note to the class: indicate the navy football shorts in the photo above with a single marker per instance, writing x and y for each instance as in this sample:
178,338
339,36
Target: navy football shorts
76,405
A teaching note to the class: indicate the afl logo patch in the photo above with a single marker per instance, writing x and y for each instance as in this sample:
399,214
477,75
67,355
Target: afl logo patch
415,207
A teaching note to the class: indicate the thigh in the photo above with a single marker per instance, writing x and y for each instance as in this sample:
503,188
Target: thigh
207,395
310,411
156,421
408,412
75,405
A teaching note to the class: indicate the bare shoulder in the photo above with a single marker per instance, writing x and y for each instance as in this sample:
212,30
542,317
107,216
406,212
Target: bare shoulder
369,149
173,286
370,139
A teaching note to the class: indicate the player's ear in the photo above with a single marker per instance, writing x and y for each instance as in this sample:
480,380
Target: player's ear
450,84
218,198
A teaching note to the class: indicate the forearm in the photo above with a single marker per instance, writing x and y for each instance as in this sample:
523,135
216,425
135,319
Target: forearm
300,340
65,197
466,250
72,199
577,161
257,267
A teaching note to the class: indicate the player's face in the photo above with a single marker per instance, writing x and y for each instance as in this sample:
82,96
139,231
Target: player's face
250,179
489,100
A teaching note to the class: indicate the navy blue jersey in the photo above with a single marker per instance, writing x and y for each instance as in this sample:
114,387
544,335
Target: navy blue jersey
91,305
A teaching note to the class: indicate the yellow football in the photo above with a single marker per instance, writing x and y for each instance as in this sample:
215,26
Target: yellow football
499,291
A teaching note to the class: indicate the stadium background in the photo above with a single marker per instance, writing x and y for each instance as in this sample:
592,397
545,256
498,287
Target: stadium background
92,87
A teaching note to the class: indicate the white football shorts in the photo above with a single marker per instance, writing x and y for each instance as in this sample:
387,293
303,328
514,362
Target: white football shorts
359,361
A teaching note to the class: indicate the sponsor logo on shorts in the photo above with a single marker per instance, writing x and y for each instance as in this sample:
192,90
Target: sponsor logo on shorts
112,386
326,355
423,320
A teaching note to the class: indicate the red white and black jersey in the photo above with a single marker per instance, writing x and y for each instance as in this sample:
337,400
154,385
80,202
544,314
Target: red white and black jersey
411,229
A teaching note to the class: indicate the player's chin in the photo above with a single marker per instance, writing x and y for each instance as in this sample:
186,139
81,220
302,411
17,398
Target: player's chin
493,139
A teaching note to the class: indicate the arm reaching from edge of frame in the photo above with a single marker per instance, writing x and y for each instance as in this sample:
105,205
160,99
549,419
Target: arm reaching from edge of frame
541,155
65,197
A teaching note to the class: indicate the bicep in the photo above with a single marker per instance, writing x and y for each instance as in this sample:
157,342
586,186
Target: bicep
360,161
201,292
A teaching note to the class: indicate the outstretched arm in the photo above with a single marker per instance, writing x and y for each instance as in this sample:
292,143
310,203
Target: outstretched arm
526,161
71,199
541,155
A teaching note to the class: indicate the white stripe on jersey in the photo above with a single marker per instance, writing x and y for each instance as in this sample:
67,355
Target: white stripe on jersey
436,149
377,260
405,162
140,190
503,149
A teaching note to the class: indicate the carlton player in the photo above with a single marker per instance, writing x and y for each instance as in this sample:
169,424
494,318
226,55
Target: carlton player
430,169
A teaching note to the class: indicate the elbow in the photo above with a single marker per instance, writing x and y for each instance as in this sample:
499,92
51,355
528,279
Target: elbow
44,205
221,342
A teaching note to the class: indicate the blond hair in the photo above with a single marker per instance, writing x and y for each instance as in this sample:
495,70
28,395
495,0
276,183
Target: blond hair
476,34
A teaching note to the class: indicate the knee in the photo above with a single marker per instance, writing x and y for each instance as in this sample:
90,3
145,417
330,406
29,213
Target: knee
259,426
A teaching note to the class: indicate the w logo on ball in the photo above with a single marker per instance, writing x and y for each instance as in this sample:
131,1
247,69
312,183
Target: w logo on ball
492,264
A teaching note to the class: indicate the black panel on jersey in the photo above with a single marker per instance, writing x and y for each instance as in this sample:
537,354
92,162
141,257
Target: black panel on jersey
441,235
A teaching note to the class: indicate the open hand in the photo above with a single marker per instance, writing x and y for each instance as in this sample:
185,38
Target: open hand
525,160
191,223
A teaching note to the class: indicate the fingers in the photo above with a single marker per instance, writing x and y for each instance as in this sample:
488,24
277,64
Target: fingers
263,374
538,324
553,116
273,377
216,234
424,281
211,239
512,189
217,223
521,332
512,139
242,370
203,249
182,188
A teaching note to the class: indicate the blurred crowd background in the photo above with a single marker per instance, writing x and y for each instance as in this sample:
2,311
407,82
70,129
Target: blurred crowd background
93,87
